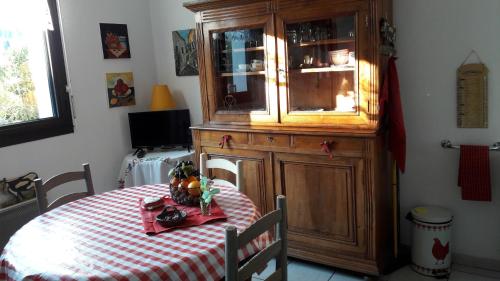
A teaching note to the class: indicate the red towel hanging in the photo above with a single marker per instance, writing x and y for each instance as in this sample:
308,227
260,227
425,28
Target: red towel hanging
474,172
390,100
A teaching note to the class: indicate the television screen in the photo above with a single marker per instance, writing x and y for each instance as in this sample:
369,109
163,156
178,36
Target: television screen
160,128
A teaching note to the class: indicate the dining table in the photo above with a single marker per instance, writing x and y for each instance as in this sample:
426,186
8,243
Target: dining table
101,237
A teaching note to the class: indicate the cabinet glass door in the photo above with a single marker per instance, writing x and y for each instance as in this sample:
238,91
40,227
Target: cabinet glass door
320,64
241,76
239,67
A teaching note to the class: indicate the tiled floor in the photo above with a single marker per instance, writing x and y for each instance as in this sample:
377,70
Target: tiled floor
304,271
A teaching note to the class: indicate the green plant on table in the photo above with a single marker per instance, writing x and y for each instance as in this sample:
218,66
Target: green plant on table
207,190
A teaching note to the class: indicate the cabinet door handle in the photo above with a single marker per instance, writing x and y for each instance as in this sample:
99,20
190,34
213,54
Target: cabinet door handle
224,140
325,147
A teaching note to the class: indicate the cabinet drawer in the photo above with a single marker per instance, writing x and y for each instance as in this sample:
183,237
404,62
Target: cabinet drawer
337,145
214,138
271,140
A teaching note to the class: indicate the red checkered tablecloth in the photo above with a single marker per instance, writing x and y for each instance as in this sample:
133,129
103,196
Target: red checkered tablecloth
99,238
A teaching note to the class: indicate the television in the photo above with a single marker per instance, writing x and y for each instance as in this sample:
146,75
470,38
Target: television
167,128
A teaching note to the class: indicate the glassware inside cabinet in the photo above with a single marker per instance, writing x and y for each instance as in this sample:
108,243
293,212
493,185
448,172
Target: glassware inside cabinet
322,65
240,70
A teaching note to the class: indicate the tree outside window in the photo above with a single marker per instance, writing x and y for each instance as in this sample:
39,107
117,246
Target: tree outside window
33,99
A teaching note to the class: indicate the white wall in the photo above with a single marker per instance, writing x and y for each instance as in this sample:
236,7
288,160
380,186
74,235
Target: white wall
168,16
101,135
434,37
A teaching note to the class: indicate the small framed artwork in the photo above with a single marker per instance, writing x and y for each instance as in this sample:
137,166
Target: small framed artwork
121,90
186,60
114,38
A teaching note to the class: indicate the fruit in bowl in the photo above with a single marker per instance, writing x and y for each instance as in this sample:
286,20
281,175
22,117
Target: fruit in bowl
175,181
194,188
185,184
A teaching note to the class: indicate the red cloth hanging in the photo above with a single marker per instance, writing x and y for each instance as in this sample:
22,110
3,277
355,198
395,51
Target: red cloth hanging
474,172
390,101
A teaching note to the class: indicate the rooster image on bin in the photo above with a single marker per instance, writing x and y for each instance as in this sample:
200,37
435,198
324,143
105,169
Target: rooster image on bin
439,251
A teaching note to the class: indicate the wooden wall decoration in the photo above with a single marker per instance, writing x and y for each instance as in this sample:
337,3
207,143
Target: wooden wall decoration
472,96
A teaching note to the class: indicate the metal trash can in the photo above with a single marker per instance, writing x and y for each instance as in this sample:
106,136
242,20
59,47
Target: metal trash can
430,251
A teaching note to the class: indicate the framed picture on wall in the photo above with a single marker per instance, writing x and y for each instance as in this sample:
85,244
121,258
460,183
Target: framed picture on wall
186,60
121,91
114,38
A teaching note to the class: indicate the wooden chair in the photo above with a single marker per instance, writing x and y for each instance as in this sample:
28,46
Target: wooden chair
224,164
43,188
278,249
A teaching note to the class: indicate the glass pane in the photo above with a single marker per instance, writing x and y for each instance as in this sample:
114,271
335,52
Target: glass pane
322,65
24,88
240,69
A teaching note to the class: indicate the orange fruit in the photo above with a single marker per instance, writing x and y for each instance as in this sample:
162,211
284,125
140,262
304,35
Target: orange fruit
195,191
194,184
192,178
194,188
184,183
175,181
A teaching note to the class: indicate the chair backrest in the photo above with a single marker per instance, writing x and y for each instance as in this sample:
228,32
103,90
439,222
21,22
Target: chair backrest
278,249
224,164
43,188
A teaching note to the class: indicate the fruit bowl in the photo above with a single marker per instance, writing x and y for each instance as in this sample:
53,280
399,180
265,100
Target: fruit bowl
185,184
182,196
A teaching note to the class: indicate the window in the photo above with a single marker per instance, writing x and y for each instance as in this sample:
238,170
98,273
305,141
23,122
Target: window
33,99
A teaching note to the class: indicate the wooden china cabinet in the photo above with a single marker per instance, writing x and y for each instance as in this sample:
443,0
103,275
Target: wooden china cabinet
291,88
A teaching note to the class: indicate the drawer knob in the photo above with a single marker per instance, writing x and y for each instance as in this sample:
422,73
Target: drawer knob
325,147
270,139
224,140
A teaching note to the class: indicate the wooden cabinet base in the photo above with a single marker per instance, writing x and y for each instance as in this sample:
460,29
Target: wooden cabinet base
344,262
339,199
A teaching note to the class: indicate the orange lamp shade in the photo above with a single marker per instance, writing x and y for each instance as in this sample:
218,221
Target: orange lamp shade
162,98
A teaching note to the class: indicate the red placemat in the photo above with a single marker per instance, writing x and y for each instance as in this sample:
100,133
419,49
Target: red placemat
194,216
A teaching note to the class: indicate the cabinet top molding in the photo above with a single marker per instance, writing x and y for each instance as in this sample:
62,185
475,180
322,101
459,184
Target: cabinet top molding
202,5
